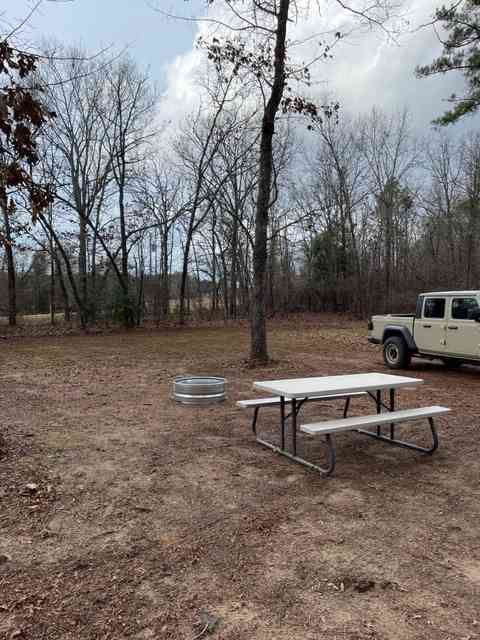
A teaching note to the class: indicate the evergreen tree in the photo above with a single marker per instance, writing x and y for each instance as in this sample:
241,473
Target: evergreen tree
461,52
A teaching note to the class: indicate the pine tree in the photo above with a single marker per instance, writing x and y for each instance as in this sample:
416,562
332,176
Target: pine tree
461,52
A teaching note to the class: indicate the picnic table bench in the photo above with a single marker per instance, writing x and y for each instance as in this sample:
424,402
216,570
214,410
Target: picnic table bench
298,391
260,403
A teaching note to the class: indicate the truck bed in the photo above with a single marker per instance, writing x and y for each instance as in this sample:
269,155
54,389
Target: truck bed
378,324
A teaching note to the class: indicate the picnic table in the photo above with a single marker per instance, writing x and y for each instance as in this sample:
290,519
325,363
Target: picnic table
295,392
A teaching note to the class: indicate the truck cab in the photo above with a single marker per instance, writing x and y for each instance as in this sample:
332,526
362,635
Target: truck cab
446,326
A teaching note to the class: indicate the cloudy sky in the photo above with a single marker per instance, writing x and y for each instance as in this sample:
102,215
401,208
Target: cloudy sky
369,68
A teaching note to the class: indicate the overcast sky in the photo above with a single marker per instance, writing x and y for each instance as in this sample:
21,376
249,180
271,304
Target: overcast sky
367,70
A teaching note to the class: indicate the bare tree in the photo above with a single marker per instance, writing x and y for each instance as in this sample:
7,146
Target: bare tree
126,113
162,196
391,154
443,164
81,166
471,208
96,149
259,48
196,150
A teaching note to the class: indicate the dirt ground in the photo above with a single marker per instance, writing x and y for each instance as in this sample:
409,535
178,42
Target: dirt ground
125,515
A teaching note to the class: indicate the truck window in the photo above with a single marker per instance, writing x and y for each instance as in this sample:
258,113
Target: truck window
418,310
462,308
434,308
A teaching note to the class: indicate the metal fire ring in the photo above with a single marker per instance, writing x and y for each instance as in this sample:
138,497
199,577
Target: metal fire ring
200,390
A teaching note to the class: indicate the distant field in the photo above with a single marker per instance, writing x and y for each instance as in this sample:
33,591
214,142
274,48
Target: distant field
39,318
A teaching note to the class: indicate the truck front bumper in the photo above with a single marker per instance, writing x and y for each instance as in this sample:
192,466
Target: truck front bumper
374,340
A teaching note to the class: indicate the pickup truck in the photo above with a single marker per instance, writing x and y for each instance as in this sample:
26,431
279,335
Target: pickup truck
445,326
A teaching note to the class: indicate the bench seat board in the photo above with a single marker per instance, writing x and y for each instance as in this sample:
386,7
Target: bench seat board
272,402
357,422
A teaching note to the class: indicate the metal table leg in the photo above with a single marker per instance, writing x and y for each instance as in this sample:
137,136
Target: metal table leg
255,418
324,471
391,437
379,410
408,445
294,426
296,405
392,408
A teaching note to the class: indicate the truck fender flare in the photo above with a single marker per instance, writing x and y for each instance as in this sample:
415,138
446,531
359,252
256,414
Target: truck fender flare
397,329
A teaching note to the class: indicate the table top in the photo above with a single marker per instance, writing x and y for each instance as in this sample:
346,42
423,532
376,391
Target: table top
328,385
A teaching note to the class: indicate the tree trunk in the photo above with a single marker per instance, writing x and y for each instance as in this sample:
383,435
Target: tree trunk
141,298
165,282
123,232
184,279
129,315
93,269
70,273
67,316
52,284
471,245
232,307
270,296
388,255
213,300
12,287
82,271
258,329
12,290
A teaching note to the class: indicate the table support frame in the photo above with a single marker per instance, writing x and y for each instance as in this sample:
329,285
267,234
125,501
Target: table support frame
378,435
329,440
293,415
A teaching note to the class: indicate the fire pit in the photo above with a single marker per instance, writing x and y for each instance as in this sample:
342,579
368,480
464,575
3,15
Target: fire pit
199,389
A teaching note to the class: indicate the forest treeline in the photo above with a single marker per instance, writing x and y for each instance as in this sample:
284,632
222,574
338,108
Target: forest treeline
155,219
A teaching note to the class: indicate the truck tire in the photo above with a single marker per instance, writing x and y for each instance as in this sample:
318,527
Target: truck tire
395,353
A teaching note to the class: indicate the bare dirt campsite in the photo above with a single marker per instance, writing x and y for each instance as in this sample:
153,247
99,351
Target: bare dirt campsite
126,515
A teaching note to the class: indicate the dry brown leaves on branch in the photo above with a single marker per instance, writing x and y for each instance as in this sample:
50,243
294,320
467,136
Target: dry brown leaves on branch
22,114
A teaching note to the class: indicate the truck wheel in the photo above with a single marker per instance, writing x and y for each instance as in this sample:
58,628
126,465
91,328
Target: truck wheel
395,353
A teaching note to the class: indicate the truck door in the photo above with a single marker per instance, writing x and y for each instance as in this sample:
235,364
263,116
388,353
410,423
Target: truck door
463,333
431,328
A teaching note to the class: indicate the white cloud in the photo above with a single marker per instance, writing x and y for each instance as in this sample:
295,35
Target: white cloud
368,69
181,95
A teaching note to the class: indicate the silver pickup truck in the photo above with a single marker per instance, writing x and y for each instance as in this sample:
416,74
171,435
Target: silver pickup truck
445,326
